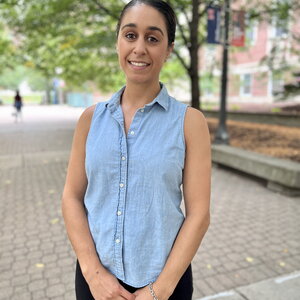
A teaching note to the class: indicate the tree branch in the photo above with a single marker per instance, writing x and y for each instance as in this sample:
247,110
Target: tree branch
181,60
185,39
103,8
185,14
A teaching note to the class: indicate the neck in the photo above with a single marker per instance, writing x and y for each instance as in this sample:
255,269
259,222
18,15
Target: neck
138,95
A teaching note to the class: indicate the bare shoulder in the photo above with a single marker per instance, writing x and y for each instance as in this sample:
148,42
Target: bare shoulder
87,114
85,119
195,125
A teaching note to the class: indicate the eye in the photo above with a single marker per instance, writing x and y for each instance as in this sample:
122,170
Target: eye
130,36
152,39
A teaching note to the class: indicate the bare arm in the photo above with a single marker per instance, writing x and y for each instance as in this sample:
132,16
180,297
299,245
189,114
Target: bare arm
72,199
101,281
196,189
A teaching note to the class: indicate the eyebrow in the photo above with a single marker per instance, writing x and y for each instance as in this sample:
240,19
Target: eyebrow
152,28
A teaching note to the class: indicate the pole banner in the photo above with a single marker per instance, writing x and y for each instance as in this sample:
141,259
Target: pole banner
238,29
213,25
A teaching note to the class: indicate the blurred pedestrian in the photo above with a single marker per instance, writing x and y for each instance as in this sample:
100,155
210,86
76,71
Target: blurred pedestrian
18,103
129,159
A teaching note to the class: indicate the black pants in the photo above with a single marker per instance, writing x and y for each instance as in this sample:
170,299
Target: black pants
183,290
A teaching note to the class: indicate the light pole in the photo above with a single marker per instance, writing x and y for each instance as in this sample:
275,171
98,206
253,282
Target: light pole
222,136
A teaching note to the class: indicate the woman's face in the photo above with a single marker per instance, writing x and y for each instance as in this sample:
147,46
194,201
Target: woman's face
142,44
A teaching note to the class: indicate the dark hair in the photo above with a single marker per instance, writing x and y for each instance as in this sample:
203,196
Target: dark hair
161,6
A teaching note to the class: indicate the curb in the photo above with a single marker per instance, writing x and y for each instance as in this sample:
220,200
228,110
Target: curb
290,120
282,175
285,287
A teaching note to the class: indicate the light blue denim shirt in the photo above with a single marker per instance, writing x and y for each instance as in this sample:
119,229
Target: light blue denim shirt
134,186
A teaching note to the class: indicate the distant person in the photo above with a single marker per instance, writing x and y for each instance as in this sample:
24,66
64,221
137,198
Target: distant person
18,105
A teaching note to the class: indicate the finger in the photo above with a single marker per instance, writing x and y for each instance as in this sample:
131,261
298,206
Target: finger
128,296
120,298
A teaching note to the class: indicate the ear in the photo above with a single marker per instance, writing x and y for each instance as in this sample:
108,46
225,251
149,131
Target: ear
170,50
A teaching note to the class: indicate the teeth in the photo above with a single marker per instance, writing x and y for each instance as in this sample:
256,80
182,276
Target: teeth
138,64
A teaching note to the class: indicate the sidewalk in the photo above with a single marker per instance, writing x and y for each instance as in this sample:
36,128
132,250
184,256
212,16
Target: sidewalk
253,236
284,287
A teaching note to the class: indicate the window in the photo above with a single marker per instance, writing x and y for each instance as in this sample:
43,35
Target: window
277,83
280,28
245,85
251,31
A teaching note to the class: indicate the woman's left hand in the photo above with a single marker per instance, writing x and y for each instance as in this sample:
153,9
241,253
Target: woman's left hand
143,294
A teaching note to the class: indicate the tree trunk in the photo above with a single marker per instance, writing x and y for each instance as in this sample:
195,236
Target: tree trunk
48,90
194,48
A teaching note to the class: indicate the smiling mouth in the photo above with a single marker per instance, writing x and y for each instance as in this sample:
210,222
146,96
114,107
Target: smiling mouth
138,64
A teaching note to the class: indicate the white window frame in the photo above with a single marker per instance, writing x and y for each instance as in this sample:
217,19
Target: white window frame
251,26
242,87
275,29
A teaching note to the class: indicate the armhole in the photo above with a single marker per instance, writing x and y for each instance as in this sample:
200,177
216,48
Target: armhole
97,107
182,125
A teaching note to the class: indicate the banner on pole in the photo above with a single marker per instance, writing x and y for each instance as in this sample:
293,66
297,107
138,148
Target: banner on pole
238,29
213,25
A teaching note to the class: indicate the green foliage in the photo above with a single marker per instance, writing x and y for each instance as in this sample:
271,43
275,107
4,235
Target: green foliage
7,49
36,80
12,78
72,35
209,83
172,71
235,107
276,110
78,37
208,106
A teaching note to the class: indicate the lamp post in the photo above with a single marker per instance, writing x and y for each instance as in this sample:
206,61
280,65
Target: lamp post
222,136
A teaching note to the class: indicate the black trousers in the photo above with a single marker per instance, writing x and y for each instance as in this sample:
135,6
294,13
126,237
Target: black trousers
183,290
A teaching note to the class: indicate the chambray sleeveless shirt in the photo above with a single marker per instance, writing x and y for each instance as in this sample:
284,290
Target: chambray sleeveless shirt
134,193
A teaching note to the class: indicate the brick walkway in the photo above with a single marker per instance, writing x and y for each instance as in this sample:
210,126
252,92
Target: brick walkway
254,233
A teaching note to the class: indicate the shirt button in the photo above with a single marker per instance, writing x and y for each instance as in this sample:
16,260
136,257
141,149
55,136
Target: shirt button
119,213
123,157
132,132
142,110
121,184
117,241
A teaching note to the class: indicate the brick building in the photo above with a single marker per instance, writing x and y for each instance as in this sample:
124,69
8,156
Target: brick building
258,71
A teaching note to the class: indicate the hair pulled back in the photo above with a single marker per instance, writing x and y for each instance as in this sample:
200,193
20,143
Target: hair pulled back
162,7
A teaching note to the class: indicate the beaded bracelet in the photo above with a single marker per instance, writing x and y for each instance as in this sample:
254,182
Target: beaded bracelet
152,291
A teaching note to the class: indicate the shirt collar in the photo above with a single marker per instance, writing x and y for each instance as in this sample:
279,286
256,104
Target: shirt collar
162,99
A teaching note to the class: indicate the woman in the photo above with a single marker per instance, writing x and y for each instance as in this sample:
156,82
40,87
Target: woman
130,155
18,105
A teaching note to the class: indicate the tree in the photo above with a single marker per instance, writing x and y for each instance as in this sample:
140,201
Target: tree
79,38
283,14
72,35
7,49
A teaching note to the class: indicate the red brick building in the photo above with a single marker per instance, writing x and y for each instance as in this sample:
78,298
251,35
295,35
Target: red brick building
253,75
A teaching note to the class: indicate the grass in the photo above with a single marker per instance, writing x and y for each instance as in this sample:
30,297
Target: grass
235,107
34,99
208,105
276,110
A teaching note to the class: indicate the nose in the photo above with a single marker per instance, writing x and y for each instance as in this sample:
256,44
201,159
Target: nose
140,47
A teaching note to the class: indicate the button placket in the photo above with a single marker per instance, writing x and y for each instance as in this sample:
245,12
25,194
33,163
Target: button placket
120,213
119,231
133,130
121,203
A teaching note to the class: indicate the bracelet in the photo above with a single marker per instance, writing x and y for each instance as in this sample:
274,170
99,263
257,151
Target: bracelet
152,291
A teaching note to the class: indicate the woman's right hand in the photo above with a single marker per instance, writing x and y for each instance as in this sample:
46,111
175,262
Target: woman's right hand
105,286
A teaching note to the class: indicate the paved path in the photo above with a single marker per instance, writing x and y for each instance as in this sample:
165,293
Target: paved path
253,236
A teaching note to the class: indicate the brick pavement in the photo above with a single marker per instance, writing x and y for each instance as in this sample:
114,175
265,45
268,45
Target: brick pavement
254,233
